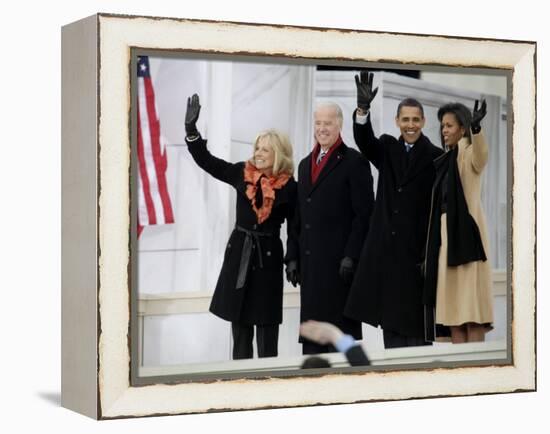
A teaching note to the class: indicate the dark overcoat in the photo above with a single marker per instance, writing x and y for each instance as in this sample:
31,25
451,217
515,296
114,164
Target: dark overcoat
260,300
388,285
332,221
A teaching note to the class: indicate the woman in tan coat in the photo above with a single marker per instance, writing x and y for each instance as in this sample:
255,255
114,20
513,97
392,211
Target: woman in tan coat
458,284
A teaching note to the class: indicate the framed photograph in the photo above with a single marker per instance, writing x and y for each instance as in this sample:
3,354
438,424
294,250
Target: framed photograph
147,229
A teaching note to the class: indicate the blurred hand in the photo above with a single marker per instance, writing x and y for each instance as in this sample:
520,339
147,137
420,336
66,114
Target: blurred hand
320,332
192,115
365,94
347,269
477,115
292,275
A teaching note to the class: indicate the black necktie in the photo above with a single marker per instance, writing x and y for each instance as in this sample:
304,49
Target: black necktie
408,152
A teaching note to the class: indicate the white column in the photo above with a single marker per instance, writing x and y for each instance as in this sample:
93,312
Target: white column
217,214
302,85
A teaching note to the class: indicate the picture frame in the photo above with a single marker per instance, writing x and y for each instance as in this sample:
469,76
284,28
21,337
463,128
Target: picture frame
96,335
178,338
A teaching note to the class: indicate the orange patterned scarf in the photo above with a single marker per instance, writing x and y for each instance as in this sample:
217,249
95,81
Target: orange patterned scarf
268,185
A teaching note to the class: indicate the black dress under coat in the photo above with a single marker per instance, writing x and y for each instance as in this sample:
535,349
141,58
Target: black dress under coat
331,222
388,286
260,300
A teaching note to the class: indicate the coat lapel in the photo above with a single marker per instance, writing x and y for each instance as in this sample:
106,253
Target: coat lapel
281,195
334,160
305,174
396,150
419,159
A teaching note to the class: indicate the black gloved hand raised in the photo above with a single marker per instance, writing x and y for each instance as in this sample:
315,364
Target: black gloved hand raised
192,115
477,115
292,275
347,269
365,94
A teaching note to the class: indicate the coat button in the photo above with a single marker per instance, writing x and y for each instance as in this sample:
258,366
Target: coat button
396,211
307,252
307,226
393,232
399,190
255,226
268,253
308,200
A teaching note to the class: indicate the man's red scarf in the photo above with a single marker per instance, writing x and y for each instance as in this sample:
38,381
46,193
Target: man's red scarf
268,185
317,168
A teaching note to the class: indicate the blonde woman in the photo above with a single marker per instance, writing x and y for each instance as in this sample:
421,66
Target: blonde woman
458,285
249,291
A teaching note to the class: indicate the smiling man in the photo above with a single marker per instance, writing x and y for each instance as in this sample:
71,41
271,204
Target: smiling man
387,289
335,200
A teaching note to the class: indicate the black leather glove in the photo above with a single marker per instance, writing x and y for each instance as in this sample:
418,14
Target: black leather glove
365,94
292,275
477,115
347,269
192,115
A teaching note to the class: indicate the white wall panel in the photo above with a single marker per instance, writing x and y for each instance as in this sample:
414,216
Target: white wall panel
261,93
191,338
288,333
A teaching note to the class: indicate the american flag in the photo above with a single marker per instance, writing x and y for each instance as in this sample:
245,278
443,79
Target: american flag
154,207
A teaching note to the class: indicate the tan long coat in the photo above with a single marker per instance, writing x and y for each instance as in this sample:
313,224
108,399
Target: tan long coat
464,293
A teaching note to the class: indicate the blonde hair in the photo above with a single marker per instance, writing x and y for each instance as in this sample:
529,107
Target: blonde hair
282,150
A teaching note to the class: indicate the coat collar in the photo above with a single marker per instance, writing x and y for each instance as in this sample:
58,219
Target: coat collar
419,159
463,144
334,160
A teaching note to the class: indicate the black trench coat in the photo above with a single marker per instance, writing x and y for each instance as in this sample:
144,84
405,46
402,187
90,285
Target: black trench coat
260,300
331,222
388,285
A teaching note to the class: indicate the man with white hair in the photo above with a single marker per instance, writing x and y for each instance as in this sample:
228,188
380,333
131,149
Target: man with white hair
335,200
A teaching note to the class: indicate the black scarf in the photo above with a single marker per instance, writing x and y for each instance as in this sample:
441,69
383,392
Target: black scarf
463,237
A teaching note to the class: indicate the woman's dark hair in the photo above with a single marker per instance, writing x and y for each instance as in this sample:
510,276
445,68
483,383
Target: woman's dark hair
461,112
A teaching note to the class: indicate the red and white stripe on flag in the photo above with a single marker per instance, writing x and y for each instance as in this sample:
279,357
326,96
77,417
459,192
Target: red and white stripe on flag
154,207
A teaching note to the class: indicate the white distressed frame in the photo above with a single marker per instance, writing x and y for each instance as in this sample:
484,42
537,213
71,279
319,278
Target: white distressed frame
114,396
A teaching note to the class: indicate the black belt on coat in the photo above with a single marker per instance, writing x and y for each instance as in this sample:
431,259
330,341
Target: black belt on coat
251,239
